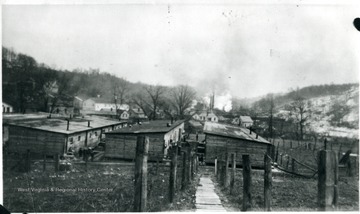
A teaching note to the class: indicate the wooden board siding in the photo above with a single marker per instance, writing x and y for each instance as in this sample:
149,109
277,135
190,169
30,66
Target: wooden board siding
124,146
21,139
215,145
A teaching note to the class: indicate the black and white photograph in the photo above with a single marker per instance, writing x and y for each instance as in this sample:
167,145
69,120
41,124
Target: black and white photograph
180,106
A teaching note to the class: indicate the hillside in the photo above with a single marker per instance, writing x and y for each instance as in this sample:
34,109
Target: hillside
336,115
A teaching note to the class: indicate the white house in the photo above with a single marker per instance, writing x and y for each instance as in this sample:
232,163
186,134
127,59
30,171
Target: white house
196,116
124,115
212,117
246,121
7,108
101,104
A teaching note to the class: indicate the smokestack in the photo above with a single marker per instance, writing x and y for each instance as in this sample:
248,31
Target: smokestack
88,123
197,136
68,124
250,130
172,120
257,136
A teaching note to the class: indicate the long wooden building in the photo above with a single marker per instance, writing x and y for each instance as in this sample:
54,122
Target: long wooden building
122,143
44,135
222,138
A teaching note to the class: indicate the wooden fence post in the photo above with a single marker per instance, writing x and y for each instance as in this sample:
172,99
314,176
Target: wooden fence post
287,161
183,175
267,183
57,162
172,179
44,162
293,168
247,198
192,166
188,164
232,178
140,197
28,163
226,170
216,163
327,180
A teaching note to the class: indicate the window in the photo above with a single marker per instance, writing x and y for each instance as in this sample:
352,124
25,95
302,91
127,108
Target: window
95,134
79,138
71,140
90,135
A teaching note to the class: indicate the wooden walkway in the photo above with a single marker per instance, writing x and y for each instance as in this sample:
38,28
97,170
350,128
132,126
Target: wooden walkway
206,198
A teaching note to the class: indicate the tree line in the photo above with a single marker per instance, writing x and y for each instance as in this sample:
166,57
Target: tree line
28,84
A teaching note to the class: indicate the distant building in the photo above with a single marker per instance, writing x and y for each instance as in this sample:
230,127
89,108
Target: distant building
122,143
44,135
195,116
61,105
223,138
102,104
212,117
243,121
137,115
203,115
7,108
124,115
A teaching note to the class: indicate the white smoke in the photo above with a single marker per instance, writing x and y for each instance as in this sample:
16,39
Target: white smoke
222,102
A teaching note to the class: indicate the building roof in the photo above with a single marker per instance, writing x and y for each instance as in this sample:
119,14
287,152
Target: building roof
154,126
211,114
246,119
231,131
100,100
58,124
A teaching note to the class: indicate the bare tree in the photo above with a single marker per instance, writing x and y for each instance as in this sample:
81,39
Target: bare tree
140,100
182,98
300,108
155,93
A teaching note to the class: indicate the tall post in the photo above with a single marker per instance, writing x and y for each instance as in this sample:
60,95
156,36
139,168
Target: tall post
293,167
232,178
267,183
86,155
281,159
183,175
44,162
216,163
287,161
247,198
327,180
192,165
27,163
172,178
226,170
188,164
142,149
57,162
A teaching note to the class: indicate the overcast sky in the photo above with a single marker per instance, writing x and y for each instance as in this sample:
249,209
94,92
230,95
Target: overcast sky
246,50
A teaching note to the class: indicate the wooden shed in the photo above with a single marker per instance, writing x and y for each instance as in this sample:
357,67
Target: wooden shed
45,135
221,138
122,143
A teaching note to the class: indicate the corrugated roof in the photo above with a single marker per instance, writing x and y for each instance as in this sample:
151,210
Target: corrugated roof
232,131
246,119
154,126
59,125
